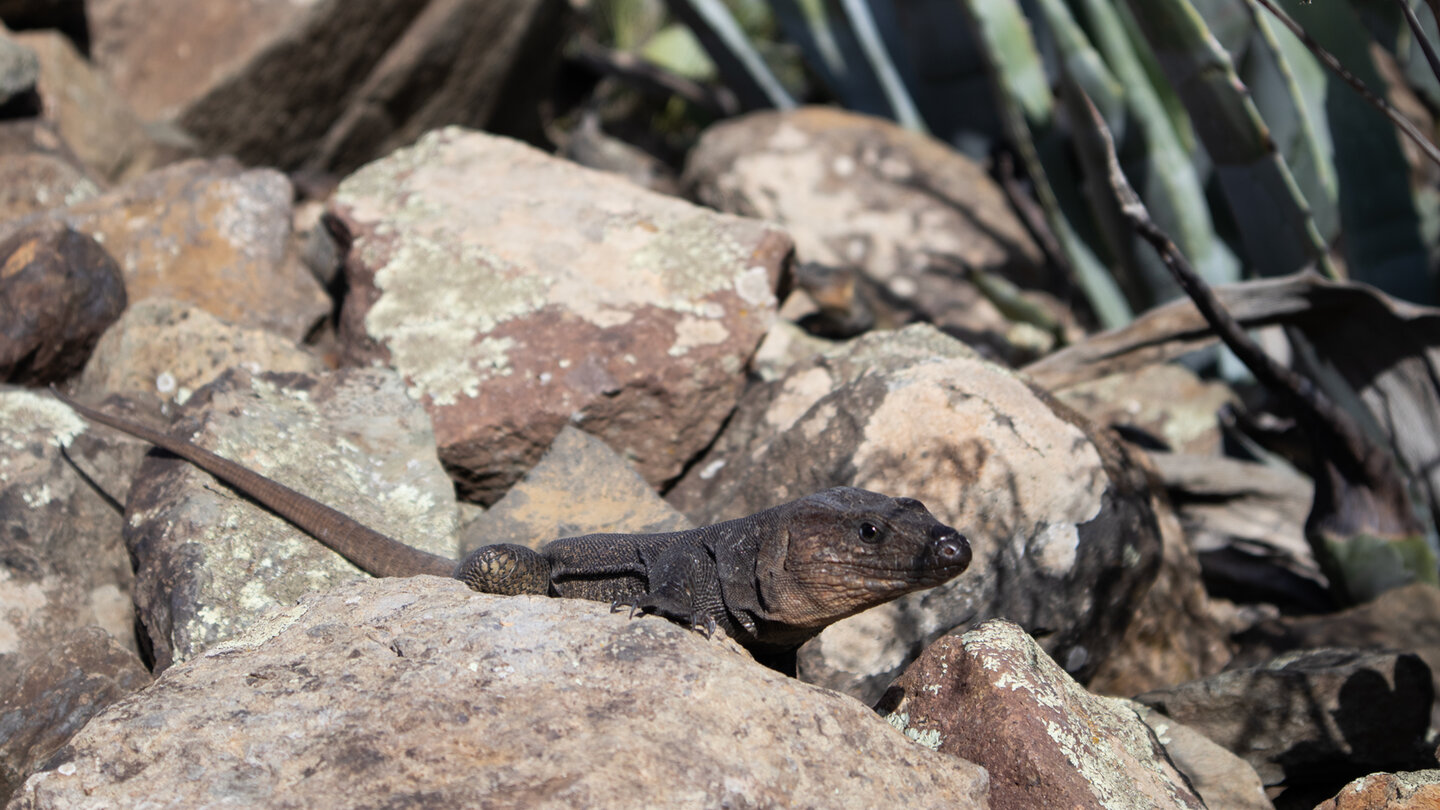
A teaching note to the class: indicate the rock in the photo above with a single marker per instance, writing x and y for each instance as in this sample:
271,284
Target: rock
1247,522
1175,635
272,83
419,692
62,566
588,145
518,293
19,70
59,692
61,290
1415,790
1223,780
211,233
579,487
66,15
38,171
1059,519
89,114
1405,619
170,348
994,698
1166,401
207,559
785,345
857,191
1320,717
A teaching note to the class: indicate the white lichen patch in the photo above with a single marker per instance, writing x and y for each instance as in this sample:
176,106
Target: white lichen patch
1055,547
691,332
24,416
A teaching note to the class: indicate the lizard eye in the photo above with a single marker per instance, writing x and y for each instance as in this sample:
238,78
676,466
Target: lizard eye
870,533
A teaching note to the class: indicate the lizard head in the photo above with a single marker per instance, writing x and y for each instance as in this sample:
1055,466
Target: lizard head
846,550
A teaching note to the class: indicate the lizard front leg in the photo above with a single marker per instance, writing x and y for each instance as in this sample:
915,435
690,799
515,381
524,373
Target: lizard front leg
681,585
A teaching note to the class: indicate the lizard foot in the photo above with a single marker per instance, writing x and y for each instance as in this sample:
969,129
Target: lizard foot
698,621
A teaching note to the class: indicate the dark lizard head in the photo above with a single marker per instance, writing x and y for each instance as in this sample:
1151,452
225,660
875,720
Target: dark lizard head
848,549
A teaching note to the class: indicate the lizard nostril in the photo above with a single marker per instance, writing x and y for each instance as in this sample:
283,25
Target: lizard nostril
950,546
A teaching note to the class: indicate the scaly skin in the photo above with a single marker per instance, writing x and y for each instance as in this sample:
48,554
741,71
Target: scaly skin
771,581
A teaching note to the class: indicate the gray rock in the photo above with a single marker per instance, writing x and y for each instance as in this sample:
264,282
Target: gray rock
1405,619
1223,780
170,348
915,216
58,694
579,487
62,566
419,692
1319,716
208,560
518,293
1165,400
19,69
1064,538
993,697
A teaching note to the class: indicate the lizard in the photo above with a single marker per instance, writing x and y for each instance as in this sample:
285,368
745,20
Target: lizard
771,581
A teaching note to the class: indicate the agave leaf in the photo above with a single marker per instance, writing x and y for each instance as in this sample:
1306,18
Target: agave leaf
1278,233
1028,113
1377,210
1169,184
742,67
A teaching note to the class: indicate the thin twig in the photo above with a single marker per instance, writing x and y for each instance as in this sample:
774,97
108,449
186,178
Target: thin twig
1420,37
1336,428
1328,60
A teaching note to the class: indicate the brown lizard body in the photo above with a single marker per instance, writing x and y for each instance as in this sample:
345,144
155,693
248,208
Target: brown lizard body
772,580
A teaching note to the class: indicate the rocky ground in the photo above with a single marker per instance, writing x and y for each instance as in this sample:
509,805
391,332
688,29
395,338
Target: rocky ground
300,250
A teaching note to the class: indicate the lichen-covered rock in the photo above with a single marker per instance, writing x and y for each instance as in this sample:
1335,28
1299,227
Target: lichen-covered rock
994,698
419,692
62,566
208,560
1410,790
855,191
1059,518
518,293
61,290
1223,780
170,348
211,233
579,487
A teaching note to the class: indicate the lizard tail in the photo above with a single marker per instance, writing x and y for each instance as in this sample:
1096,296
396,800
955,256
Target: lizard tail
375,553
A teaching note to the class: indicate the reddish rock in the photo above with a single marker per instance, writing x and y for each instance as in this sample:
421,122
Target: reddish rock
1412,790
993,697
61,290
518,293
212,233
277,82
